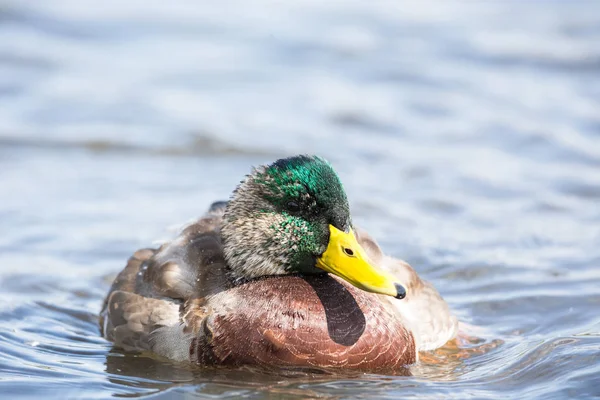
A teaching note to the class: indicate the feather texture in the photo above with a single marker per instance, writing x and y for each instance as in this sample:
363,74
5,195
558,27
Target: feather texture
181,302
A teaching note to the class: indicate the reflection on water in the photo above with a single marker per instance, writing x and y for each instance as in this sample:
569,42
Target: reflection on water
466,136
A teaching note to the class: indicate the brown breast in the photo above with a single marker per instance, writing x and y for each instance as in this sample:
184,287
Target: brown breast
315,321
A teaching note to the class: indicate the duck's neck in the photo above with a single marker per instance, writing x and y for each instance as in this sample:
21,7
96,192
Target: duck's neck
250,243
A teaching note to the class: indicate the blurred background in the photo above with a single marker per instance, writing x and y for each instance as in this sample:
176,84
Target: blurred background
467,135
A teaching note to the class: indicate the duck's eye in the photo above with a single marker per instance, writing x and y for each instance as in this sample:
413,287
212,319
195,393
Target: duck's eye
293,206
349,252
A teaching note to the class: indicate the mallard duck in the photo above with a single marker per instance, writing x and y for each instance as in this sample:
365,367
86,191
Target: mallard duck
278,276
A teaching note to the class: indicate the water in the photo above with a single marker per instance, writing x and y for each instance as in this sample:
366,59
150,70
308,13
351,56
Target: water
467,135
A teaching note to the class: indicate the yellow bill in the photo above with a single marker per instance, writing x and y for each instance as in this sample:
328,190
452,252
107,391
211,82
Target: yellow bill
345,258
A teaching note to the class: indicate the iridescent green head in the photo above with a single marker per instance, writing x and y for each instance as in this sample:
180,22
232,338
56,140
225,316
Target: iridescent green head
293,217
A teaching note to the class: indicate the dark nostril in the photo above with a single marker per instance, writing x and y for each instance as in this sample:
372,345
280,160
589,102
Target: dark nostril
400,290
348,252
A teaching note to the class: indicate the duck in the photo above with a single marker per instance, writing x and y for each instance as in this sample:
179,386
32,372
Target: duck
278,276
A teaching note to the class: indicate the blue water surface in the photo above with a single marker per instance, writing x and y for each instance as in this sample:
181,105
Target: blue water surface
467,135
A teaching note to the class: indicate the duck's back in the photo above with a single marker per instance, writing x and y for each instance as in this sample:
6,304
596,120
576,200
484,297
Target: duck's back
178,301
156,285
